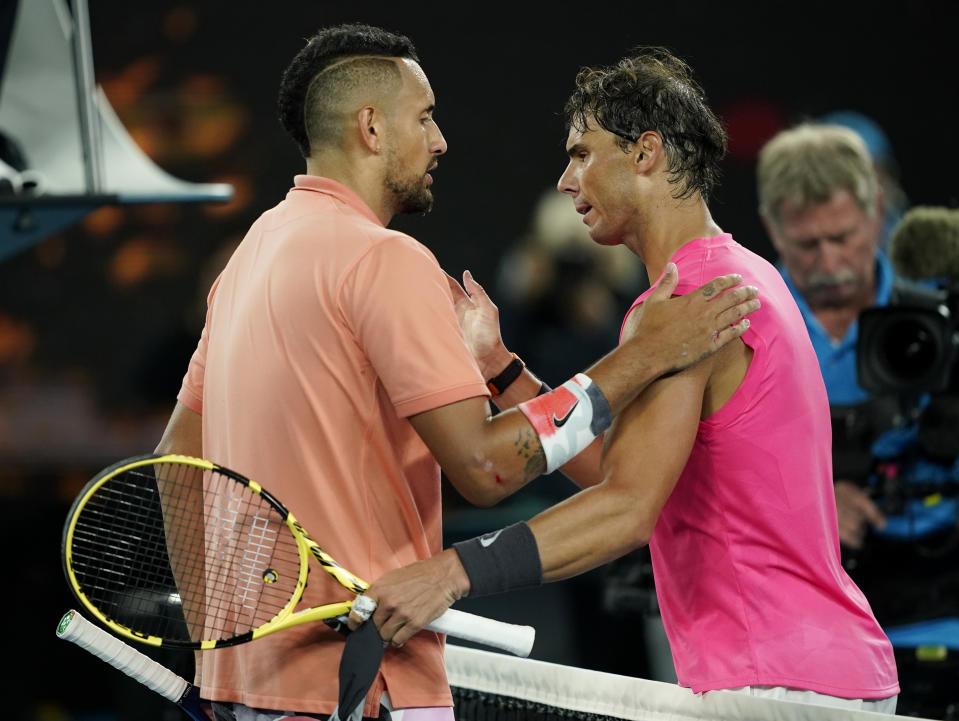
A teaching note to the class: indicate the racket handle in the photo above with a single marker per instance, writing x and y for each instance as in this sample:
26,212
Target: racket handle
505,636
74,627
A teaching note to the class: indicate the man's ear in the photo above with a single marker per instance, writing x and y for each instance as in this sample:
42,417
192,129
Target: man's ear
369,125
648,150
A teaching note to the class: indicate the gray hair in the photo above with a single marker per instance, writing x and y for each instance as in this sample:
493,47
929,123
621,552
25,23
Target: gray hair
807,164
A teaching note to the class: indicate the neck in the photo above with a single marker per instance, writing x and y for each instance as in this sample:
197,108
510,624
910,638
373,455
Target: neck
364,179
672,224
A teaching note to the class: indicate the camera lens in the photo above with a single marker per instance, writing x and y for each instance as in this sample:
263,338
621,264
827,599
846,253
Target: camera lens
905,349
909,349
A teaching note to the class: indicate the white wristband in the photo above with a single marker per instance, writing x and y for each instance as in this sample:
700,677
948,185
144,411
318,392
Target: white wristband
568,419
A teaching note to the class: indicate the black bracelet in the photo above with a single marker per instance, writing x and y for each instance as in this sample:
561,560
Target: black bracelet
543,390
500,383
505,560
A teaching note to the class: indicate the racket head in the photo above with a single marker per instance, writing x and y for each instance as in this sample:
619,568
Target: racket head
178,551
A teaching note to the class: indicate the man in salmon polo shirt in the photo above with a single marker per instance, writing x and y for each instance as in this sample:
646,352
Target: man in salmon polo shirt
333,370
724,469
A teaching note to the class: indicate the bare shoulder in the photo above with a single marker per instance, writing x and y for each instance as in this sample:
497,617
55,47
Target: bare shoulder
723,371
631,323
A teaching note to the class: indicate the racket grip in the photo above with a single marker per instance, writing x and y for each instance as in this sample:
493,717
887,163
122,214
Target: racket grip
467,626
74,627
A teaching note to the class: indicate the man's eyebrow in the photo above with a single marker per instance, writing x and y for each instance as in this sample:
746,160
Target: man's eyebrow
574,149
430,108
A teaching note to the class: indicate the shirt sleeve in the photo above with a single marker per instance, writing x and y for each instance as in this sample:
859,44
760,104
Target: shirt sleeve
398,303
191,389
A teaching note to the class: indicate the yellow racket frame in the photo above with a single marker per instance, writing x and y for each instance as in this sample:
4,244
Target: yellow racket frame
306,548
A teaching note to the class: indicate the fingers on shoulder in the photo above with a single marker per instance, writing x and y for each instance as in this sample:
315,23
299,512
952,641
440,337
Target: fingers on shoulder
720,284
729,333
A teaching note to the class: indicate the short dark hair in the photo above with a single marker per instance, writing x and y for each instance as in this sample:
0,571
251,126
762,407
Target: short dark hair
652,89
325,48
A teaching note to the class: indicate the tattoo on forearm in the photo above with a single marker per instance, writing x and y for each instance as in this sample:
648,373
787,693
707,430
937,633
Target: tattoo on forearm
528,446
521,444
536,465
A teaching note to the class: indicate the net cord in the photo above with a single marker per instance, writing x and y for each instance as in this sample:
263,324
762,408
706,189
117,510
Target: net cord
586,694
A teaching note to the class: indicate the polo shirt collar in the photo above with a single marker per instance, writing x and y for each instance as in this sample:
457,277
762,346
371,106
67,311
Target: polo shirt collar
319,184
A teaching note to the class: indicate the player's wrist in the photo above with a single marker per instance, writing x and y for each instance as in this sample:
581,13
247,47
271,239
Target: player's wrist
495,362
652,357
504,379
457,579
505,560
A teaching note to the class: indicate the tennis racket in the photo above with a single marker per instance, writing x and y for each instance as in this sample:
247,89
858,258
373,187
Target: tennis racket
74,627
179,552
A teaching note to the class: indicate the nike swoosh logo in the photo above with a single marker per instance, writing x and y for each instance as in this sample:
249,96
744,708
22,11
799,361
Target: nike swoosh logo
560,422
487,540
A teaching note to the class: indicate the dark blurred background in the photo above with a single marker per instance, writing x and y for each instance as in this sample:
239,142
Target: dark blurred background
97,322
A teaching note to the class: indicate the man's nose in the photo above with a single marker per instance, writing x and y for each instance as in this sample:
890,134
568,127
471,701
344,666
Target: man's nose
567,181
438,146
830,257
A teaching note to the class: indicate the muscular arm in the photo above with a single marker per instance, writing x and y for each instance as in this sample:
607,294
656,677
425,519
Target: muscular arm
644,453
487,458
183,433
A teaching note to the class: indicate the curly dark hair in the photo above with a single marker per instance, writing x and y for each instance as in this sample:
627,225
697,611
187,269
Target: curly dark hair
652,89
326,47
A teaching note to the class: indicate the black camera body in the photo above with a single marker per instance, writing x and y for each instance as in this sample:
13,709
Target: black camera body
910,346
910,349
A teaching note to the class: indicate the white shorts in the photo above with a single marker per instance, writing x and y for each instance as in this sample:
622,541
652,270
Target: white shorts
782,693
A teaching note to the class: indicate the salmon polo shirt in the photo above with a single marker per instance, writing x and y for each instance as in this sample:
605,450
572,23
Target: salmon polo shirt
324,333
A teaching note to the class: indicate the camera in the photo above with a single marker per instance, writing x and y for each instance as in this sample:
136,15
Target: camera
909,349
910,346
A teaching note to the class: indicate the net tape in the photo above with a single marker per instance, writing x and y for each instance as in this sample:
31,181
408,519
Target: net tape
492,686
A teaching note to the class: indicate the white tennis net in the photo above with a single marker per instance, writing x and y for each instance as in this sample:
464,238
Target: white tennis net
495,687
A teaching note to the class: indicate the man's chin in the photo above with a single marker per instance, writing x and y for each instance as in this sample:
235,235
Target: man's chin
837,297
600,238
421,203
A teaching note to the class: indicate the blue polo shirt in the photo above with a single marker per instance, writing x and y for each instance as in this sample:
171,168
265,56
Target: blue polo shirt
837,359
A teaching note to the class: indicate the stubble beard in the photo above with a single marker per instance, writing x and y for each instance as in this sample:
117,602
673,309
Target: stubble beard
412,194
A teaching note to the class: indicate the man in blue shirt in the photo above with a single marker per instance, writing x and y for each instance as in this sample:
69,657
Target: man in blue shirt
822,205
820,202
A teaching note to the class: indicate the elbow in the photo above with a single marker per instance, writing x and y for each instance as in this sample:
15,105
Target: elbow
482,499
479,482
631,521
625,535
640,535
481,492
642,523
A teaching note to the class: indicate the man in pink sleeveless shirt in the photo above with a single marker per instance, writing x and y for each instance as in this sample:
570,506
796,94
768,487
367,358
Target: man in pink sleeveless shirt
724,469
332,370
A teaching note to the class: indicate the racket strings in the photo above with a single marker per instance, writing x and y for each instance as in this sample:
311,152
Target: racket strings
183,553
